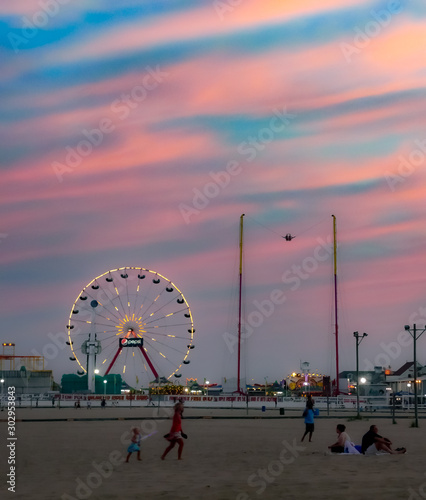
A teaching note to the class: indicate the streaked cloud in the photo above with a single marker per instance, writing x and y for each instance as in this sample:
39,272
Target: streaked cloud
207,137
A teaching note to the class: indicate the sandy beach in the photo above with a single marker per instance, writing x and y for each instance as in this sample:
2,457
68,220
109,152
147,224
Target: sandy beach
238,458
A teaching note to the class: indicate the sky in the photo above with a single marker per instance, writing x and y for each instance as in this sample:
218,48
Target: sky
136,133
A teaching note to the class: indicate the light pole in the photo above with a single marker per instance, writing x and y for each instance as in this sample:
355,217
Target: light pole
105,383
413,332
2,385
95,372
358,340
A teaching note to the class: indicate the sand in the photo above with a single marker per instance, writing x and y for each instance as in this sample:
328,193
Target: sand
238,458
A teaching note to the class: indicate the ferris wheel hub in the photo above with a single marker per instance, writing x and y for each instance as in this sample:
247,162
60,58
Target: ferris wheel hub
130,328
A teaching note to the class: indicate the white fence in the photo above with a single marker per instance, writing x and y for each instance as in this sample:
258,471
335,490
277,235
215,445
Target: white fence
346,404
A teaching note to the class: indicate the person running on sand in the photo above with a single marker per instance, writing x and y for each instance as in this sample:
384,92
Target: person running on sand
135,445
372,443
175,435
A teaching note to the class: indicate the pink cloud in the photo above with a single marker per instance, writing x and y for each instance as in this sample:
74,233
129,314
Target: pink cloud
397,49
190,25
20,7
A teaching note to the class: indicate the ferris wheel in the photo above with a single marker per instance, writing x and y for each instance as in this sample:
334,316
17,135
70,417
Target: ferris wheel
133,322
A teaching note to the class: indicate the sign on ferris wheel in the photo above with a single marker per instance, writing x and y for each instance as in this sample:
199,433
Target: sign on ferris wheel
130,342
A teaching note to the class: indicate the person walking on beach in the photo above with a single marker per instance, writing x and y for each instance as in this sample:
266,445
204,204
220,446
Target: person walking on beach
175,435
135,445
309,422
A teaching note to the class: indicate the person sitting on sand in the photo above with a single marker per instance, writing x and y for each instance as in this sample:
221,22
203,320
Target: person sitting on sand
373,443
135,445
175,435
339,445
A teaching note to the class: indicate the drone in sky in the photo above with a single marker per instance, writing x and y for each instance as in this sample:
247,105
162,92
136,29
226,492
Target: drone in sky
288,237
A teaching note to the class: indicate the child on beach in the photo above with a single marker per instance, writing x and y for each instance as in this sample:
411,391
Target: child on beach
175,435
135,444
309,422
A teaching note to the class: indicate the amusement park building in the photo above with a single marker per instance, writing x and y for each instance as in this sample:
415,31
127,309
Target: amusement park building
377,382
109,384
25,373
27,381
373,384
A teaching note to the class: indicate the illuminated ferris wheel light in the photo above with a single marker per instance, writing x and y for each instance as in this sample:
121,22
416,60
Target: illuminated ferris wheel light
122,303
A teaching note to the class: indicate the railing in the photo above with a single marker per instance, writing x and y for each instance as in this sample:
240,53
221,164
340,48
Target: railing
293,406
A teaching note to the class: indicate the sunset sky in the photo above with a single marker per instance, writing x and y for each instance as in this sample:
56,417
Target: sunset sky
135,133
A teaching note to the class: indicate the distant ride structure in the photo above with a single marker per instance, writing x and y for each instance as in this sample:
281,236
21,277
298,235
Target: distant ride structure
134,322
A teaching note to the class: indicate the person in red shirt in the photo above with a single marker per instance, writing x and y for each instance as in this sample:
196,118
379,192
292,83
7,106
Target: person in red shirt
175,435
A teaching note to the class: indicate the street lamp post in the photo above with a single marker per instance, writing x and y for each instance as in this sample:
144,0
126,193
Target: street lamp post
413,332
105,384
2,385
358,340
408,394
95,372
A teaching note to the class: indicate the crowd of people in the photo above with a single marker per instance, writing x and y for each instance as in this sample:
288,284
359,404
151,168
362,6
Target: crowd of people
372,442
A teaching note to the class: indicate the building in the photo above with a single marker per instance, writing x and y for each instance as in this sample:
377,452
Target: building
25,373
27,381
371,383
402,380
108,384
